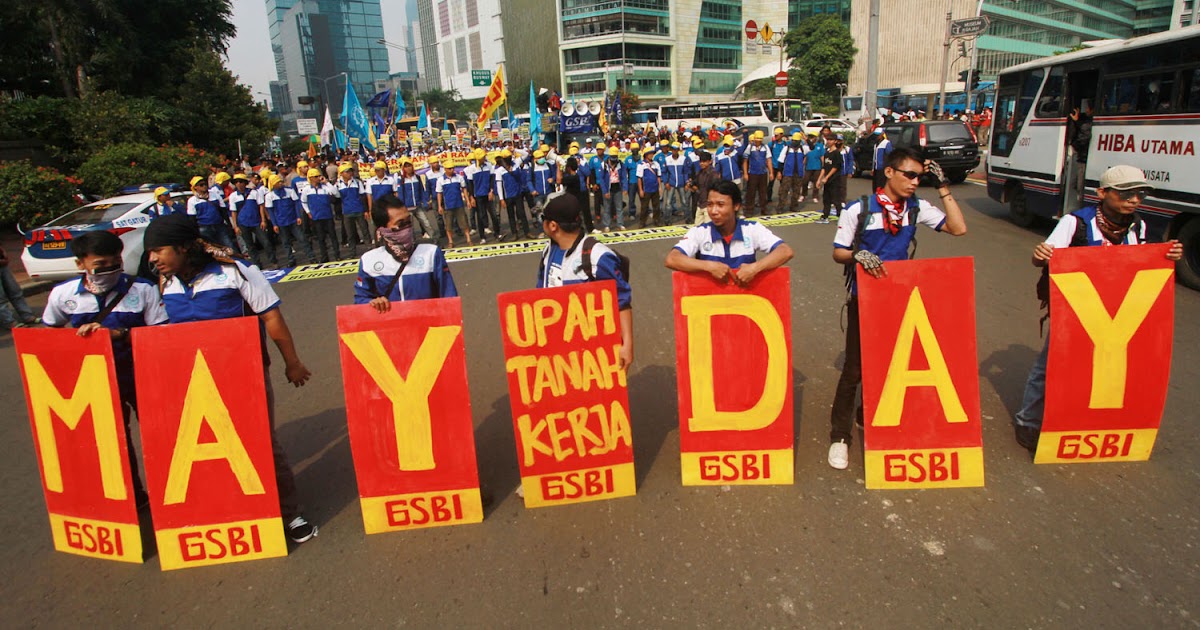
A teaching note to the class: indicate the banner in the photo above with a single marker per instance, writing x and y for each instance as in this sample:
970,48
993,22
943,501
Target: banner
569,397
580,123
1112,320
206,436
79,436
495,96
920,375
733,354
408,410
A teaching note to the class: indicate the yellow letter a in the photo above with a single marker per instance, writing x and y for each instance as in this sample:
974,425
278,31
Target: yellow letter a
900,377
699,311
1110,335
409,396
202,404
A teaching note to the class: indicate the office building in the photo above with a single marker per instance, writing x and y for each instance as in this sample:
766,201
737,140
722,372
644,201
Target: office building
662,50
314,41
1019,31
799,10
1185,13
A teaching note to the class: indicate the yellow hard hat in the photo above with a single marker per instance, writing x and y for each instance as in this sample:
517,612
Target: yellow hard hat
265,173
664,142
675,145
275,179
728,141
779,131
381,164
301,165
312,172
599,145
612,151
198,179
697,142
434,159
573,151
160,191
575,144
757,135
633,146
648,152
506,153
241,177
797,136
342,168
480,154
221,177
539,154
405,161
545,148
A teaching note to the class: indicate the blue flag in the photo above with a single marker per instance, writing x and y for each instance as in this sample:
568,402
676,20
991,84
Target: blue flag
423,121
354,119
445,124
380,100
535,118
400,108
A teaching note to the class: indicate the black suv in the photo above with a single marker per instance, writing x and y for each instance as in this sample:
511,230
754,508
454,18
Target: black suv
950,143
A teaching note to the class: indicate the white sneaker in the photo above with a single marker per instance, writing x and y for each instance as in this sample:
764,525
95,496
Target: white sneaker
596,231
839,455
521,490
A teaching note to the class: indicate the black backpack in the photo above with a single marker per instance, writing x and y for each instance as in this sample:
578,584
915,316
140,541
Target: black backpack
588,243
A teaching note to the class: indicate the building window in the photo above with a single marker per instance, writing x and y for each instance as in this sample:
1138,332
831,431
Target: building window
476,51
472,13
444,17
460,47
721,58
448,55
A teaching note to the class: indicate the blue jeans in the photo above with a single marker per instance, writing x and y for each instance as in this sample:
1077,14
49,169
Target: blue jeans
290,234
611,209
219,234
632,203
675,204
13,308
1033,404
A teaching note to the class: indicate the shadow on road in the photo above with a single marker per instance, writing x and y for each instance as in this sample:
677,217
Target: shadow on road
318,447
654,413
1007,370
496,454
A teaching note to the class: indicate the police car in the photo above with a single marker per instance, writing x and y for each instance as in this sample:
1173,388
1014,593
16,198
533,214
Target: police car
47,254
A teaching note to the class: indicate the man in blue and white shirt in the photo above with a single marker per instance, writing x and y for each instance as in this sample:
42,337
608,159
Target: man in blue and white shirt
249,220
400,269
209,212
353,193
649,176
317,200
381,184
677,172
199,286
284,208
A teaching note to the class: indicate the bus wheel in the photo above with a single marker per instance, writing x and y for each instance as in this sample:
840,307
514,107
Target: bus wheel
1018,208
1188,268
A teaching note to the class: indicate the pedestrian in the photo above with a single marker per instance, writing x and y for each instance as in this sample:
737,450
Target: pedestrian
612,181
1112,221
284,207
478,176
412,191
164,204
204,282
452,202
677,172
728,161
381,184
573,257
892,216
759,167
831,183
777,146
400,269
14,311
631,163
791,174
510,194
317,201
541,182
649,175
883,147
353,193
249,219
106,300
209,211
813,156
572,183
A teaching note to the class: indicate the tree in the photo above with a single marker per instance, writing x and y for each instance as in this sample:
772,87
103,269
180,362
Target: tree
214,110
448,104
822,51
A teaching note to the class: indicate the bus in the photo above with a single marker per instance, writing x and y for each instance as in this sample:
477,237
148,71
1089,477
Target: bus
643,117
764,112
1144,95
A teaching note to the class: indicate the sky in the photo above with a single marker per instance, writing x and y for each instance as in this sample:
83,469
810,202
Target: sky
249,54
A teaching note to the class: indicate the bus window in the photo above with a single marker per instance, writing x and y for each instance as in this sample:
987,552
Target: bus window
1157,93
1189,90
1049,104
1118,96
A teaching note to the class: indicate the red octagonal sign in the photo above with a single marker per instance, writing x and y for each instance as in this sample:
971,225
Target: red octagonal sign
751,29
781,78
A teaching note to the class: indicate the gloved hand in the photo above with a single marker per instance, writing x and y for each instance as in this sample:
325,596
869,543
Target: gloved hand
867,259
934,170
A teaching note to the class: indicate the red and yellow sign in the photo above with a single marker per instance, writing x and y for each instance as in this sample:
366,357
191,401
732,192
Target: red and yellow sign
494,97
78,430
1112,316
920,375
408,410
569,396
206,437
733,350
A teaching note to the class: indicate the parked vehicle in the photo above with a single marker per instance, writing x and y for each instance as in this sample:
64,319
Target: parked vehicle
950,143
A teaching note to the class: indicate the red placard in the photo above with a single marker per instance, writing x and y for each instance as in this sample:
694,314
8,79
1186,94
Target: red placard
1112,315
78,429
569,397
408,410
206,437
733,354
920,375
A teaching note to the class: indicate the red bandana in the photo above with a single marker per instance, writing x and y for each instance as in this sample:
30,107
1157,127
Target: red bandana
893,212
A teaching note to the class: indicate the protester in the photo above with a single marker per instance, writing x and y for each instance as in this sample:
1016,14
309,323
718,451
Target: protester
759,167
203,282
883,147
284,207
164,204
104,298
209,211
649,175
249,220
706,179
791,174
893,213
677,172
317,200
813,155
412,191
400,269
452,202
1114,221
480,184
381,184
353,193
612,182
831,183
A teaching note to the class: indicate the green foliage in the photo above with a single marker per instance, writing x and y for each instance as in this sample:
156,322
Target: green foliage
823,51
32,195
446,103
214,110
128,164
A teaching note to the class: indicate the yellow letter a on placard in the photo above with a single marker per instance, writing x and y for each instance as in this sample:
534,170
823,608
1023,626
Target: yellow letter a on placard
202,404
1110,335
92,390
900,376
699,311
409,396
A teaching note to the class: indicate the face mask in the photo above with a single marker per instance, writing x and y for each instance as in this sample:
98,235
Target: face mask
541,160
102,281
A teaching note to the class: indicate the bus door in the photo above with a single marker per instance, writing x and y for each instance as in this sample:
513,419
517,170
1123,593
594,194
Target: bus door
1081,92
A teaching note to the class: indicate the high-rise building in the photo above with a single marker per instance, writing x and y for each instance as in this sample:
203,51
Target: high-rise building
662,50
314,41
799,10
1185,13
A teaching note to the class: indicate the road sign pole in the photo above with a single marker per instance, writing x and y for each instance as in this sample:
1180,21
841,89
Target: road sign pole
945,66
974,57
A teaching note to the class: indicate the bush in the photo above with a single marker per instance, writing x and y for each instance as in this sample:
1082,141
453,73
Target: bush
129,164
32,195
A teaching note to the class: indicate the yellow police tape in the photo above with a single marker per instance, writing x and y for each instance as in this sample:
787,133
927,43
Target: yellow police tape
508,248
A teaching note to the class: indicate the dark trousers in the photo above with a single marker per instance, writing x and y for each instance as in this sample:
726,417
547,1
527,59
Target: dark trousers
324,231
585,215
128,404
289,236
484,212
516,210
834,195
845,400
255,242
810,183
756,194
285,480
357,232
878,179
219,234
651,208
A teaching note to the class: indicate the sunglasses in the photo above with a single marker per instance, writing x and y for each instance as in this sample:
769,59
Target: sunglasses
908,174
1126,195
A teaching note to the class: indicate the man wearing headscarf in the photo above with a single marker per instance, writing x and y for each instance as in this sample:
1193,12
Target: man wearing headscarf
400,269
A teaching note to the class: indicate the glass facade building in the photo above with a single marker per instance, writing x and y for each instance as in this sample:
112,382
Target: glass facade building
798,10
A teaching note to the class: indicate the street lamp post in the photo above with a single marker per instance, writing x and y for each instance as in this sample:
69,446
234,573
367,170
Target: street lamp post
325,86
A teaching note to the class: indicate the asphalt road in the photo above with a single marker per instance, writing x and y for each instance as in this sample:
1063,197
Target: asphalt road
1106,545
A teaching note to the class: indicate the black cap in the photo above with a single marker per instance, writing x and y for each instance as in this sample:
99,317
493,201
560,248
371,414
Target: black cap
172,229
563,208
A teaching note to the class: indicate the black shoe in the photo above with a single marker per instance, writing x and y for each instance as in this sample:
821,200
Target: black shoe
300,530
1027,437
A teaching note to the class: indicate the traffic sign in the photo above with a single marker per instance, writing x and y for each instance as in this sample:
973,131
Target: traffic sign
969,26
780,90
307,126
767,33
481,78
781,78
751,29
